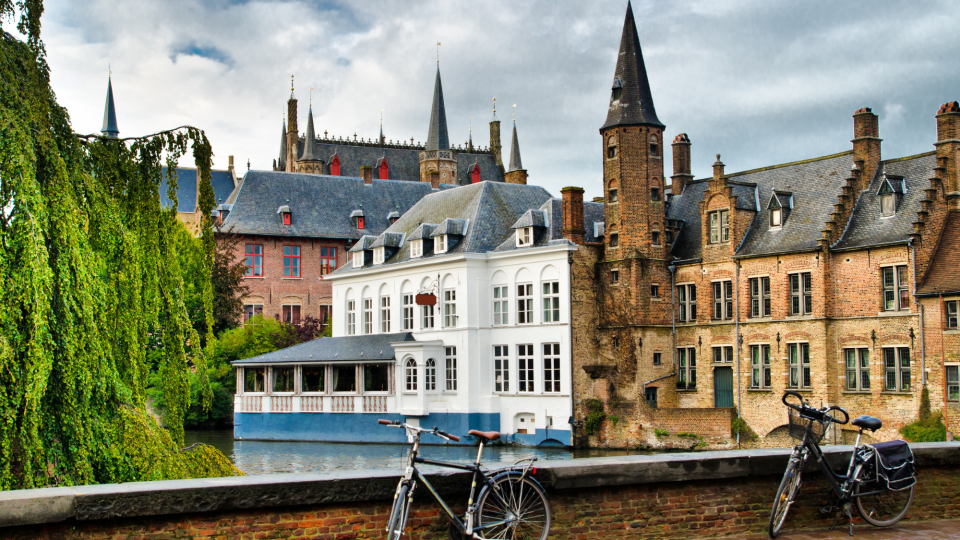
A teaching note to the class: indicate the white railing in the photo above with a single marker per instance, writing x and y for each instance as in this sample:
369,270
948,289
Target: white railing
251,404
281,403
375,404
343,404
311,404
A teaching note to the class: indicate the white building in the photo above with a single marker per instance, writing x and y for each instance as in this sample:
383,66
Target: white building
492,352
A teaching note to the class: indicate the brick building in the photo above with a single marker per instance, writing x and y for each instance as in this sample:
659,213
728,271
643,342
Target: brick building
834,276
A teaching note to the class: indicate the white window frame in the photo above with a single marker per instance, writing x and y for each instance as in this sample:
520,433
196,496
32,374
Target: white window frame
888,200
449,308
357,379
430,376
427,317
385,314
358,259
410,376
501,305
719,226
526,369
407,311
524,236
552,374
243,382
450,374
501,369
776,218
440,244
525,303
368,316
550,301
351,317
952,318
416,249
378,253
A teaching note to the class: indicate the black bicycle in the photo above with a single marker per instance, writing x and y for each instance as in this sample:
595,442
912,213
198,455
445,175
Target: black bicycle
879,479
511,503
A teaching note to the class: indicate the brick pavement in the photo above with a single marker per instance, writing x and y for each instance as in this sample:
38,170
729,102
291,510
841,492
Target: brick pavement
905,530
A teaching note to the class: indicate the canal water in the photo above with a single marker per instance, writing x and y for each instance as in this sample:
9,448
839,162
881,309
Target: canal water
263,457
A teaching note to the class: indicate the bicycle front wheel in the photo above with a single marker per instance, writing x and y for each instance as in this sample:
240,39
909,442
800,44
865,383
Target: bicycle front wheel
516,507
788,489
398,516
884,508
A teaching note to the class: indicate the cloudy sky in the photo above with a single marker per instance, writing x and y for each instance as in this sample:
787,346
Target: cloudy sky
759,81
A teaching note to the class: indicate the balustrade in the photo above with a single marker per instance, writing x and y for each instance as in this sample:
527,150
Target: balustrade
311,404
375,404
281,403
343,403
251,404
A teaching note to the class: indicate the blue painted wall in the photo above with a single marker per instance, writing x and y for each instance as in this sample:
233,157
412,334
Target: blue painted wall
352,427
534,439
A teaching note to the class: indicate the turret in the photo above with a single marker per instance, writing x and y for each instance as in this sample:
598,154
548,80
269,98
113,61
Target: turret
110,114
309,162
438,164
517,174
293,135
495,146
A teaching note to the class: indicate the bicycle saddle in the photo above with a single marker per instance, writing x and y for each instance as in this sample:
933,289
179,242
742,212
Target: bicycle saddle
867,422
488,435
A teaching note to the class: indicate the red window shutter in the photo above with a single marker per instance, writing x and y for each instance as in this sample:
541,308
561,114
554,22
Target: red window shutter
286,218
476,175
335,166
384,170
360,222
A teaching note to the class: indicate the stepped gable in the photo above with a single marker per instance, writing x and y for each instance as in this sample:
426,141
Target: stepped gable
634,105
943,276
489,209
816,185
686,207
866,227
334,349
262,192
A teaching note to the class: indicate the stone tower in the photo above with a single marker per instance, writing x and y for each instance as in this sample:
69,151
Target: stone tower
634,211
495,146
293,135
517,174
438,164
110,114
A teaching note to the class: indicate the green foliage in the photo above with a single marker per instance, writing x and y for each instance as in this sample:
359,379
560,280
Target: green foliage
929,429
595,416
740,427
93,291
924,412
229,289
614,420
688,435
661,433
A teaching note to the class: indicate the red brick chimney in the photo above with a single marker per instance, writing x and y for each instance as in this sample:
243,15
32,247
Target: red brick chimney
948,149
866,144
681,164
573,214
366,171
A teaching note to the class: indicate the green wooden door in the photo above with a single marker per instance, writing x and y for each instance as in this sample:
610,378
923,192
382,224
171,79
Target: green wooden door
723,387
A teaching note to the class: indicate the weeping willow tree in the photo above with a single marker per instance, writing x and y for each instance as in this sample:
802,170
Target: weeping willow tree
90,280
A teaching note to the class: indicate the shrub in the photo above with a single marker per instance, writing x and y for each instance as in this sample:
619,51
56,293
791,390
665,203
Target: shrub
595,416
930,429
740,427
688,435
661,433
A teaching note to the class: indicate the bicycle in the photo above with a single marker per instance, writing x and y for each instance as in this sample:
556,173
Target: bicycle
511,503
876,501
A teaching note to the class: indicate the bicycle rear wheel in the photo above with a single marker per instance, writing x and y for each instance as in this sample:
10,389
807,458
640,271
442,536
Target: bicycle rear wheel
788,489
885,508
398,516
520,511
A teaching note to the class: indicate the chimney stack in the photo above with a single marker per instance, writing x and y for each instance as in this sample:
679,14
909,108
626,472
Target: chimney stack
718,169
230,165
948,149
681,164
866,144
366,171
573,214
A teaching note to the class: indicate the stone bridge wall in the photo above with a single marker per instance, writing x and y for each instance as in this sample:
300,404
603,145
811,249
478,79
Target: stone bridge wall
662,496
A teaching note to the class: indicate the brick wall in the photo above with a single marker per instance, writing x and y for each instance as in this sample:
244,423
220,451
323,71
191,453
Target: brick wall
715,499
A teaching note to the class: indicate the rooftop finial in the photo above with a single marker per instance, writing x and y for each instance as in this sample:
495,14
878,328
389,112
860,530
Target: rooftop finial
311,96
109,71
291,83
438,54
494,106
514,112
471,124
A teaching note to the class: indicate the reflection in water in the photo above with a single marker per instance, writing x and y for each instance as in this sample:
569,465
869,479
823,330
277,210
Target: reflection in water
263,457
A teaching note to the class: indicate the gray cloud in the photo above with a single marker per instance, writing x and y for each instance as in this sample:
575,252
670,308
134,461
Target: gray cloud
760,82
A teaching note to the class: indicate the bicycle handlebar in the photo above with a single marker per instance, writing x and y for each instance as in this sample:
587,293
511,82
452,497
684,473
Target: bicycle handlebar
434,431
846,416
813,413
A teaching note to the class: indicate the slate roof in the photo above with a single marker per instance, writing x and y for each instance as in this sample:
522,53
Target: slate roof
222,182
943,277
374,347
816,185
635,105
866,227
686,207
488,210
186,190
437,138
515,164
531,218
321,205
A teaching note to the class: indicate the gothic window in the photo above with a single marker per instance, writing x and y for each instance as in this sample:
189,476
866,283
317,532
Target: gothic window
654,146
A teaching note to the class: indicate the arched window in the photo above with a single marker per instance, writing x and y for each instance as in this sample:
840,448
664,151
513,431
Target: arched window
613,196
654,146
431,375
410,372
384,169
335,166
475,174
611,148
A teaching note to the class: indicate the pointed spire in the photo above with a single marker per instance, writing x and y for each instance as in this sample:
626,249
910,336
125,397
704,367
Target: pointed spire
309,152
515,164
631,102
109,113
282,162
437,138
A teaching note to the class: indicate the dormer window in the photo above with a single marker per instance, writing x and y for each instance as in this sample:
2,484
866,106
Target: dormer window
779,206
891,189
776,217
358,259
285,214
378,255
888,206
617,89
440,244
524,236
335,166
286,218
416,249
360,224
475,174
358,218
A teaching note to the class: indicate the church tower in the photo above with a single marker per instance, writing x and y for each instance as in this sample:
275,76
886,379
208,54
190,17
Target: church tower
634,209
438,164
110,114
293,136
516,174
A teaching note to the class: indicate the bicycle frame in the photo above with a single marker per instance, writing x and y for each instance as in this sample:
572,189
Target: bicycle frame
413,475
845,494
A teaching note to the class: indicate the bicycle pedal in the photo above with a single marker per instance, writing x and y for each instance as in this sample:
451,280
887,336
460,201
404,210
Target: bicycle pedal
827,509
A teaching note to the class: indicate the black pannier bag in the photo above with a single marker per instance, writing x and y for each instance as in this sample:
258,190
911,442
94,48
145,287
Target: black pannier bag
891,466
